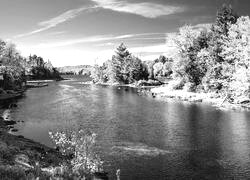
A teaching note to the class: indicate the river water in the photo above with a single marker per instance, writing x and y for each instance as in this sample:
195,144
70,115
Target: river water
143,137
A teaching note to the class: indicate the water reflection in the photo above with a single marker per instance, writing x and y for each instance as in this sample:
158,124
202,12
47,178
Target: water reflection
159,140
239,124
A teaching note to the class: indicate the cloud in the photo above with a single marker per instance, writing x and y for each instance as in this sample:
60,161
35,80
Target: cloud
78,41
145,9
53,22
101,38
105,44
149,49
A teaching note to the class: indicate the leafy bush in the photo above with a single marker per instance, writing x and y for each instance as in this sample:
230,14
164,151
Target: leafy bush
189,87
12,172
80,146
177,84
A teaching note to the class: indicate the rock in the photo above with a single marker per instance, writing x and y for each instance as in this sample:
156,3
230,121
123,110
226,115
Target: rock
7,123
100,176
14,130
20,121
23,160
20,136
13,105
247,101
10,92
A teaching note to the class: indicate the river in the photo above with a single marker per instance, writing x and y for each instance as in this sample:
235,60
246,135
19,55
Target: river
143,137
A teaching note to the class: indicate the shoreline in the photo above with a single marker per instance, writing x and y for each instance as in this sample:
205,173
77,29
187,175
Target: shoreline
20,156
132,85
214,99
164,93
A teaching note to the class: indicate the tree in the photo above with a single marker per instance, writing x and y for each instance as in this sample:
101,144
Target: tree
225,17
219,32
2,47
188,66
96,73
158,69
124,68
150,65
137,70
162,59
121,62
167,68
236,52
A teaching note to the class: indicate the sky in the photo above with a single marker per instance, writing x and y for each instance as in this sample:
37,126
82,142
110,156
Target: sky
77,32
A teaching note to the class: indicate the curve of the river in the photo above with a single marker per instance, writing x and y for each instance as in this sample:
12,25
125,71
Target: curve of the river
143,137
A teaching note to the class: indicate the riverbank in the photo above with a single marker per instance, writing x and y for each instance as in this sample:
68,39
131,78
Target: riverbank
21,157
216,99
138,84
6,97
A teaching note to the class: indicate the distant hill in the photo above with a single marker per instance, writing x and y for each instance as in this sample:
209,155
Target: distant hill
77,70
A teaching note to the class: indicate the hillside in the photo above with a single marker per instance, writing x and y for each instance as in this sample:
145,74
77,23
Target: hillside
78,70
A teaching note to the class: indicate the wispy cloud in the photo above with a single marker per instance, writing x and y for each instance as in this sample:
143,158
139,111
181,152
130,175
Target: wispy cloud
53,22
78,41
102,38
145,9
57,33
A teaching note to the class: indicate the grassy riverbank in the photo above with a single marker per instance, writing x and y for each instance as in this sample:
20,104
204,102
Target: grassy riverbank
21,158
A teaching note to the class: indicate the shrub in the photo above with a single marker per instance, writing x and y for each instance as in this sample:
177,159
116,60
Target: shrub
80,146
189,87
12,172
177,84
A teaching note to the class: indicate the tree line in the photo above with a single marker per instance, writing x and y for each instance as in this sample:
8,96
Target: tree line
16,69
214,59
126,68
217,59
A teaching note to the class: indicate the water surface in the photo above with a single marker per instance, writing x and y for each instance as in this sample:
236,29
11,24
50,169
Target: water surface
144,137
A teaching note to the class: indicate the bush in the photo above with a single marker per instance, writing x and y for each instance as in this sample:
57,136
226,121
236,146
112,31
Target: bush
80,146
150,82
189,87
177,84
2,91
12,172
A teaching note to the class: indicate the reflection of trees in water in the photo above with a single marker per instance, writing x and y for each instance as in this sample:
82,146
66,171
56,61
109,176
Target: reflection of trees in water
239,135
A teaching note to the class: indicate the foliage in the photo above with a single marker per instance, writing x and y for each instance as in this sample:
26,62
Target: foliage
217,59
14,67
218,35
39,69
167,68
236,52
96,73
188,65
176,84
158,69
225,17
80,146
122,68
